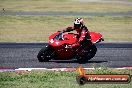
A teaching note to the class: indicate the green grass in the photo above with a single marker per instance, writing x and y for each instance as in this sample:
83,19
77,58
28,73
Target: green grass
62,5
38,28
55,79
129,0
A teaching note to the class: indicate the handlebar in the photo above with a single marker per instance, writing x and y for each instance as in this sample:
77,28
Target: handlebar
59,36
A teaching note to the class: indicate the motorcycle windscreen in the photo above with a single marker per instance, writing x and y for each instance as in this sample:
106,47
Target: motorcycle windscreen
53,35
95,37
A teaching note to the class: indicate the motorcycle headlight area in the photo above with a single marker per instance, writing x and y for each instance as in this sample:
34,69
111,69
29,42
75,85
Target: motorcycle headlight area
57,43
52,41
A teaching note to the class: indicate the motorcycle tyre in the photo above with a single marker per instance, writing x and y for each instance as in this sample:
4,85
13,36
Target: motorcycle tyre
43,53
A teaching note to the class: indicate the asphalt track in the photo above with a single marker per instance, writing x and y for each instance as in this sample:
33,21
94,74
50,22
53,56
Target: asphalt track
23,55
66,13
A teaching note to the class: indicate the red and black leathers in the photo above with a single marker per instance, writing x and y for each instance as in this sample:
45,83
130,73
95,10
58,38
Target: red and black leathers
83,35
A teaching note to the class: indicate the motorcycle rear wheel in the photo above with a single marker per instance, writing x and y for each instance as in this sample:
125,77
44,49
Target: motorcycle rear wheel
44,54
88,54
91,52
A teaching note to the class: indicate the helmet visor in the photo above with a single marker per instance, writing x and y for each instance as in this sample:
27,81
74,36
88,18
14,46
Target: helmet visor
77,26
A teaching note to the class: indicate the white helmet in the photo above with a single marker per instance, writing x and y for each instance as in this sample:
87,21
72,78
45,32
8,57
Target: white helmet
78,23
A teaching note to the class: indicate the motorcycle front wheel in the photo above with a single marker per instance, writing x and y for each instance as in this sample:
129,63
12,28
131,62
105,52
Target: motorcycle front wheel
44,54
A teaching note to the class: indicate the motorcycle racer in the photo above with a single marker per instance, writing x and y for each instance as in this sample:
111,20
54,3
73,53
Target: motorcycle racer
65,46
82,30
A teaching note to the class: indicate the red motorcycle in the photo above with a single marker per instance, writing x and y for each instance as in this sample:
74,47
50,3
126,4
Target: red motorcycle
59,47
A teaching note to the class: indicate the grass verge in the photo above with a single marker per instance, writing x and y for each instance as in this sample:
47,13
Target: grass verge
38,28
62,5
55,79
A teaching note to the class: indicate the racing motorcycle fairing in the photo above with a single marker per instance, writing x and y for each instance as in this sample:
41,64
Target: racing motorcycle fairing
59,47
96,37
59,38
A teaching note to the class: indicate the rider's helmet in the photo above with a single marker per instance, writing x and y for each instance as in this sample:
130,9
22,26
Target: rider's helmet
78,23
